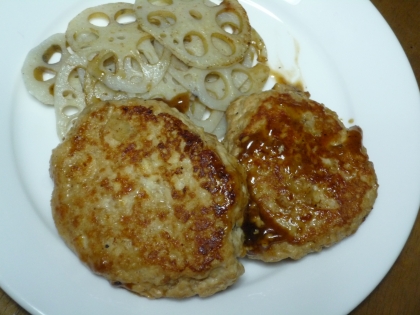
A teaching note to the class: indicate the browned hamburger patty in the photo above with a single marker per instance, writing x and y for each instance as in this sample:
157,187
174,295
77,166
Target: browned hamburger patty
310,179
149,201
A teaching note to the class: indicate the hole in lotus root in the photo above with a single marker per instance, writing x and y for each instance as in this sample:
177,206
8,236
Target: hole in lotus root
215,85
85,39
69,95
159,48
196,15
162,19
52,55
135,66
75,79
69,49
109,64
229,21
195,44
125,16
51,89
70,110
206,114
223,44
160,3
229,28
43,74
150,49
99,19
241,81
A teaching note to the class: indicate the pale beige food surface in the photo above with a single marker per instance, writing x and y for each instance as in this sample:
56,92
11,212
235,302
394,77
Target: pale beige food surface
149,201
217,88
40,69
310,179
105,54
101,35
200,33
69,97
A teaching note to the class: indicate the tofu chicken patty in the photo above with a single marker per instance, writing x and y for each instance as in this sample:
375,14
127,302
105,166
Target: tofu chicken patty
310,179
149,201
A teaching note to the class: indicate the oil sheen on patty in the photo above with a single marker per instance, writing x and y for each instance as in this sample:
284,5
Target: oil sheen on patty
310,180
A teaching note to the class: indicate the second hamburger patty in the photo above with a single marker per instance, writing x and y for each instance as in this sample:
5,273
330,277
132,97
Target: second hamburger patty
310,179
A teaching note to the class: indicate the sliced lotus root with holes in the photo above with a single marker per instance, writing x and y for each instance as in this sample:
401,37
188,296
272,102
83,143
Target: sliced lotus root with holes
69,98
172,92
123,56
200,33
217,88
257,51
175,95
204,117
167,89
42,65
96,91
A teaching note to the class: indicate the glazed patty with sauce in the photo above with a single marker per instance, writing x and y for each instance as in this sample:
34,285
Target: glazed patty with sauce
310,179
149,201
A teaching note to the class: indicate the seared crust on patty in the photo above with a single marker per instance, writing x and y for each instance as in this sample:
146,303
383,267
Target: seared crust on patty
149,201
310,179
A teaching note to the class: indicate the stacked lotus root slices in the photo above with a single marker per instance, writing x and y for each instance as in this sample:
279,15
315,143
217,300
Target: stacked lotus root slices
196,55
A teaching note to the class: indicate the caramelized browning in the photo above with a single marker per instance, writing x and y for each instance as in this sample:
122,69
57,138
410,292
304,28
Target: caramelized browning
309,178
148,201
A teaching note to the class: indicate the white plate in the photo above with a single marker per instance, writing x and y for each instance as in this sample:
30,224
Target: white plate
347,57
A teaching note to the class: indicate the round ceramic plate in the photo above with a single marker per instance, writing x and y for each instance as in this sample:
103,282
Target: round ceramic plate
342,52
